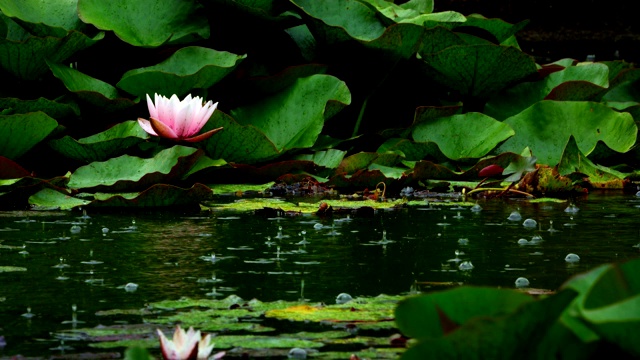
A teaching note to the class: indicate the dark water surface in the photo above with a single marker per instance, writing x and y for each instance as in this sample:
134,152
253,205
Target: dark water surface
168,255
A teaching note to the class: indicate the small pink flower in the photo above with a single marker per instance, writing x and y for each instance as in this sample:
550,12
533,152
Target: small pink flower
187,345
178,120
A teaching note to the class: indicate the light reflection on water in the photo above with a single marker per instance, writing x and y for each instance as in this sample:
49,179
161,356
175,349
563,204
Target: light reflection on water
72,260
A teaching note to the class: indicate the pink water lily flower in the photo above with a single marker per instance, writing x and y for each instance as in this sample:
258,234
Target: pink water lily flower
187,345
178,120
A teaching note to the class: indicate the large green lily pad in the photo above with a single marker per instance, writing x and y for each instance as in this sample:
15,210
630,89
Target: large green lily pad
278,116
21,132
101,146
546,126
582,82
147,23
55,13
189,68
470,135
130,173
478,70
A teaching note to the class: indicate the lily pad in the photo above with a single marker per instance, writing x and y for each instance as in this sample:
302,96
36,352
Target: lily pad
26,58
582,82
91,90
11,170
147,23
103,145
11,269
478,70
470,135
547,126
47,199
574,161
53,108
61,14
128,173
279,118
188,68
21,132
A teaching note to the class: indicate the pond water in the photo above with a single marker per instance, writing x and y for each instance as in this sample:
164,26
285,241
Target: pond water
87,261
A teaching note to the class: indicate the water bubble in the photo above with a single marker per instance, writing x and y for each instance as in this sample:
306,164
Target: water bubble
530,223
465,266
522,282
523,242
131,287
105,230
343,298
458,216
514,216
536,239
476,208
572,258
572,209
75,229
317,226
297,353
463,241
638,194
28,314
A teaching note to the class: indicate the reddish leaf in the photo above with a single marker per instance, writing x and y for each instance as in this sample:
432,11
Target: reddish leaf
9,169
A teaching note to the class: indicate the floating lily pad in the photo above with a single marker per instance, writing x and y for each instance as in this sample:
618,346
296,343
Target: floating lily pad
130,172
103,145
189,68
147,23
470,135
12,269
48,199
547,126
21,132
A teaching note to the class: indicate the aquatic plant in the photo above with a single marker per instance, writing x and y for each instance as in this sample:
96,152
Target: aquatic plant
301,114
187,345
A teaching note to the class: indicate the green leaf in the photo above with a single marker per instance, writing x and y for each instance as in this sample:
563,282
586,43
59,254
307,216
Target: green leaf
412,151
612,305
188,68
573,161
294,117
91,90
131,173
520,166
47,199
236,142
27,58
495,337
499,28
582,82
158,195
103,145
420,316
19,133
478,70
147,23
546,127
55,13
52,108
470,135
330,158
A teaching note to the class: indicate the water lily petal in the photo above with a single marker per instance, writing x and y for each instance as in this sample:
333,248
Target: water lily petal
146,126
162,129
203,136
